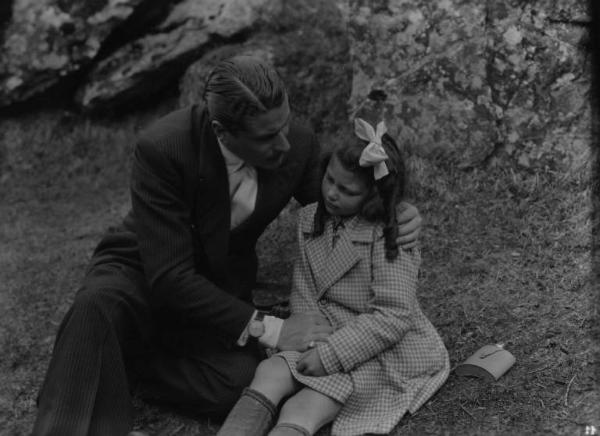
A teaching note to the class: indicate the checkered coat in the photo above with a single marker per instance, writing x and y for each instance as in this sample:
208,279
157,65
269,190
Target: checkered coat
385,358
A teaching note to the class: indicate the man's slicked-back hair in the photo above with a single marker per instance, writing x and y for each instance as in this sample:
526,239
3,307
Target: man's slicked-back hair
242,87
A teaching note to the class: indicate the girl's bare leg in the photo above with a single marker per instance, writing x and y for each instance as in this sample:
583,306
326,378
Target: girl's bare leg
308,409
274,380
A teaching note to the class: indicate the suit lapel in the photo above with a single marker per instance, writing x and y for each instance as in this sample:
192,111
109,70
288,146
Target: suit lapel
211,198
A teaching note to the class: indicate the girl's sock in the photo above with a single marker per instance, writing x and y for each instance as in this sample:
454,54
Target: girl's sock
252,415
289,429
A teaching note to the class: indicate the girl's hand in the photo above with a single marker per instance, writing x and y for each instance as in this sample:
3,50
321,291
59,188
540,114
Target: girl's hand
301,329
409,225
310,364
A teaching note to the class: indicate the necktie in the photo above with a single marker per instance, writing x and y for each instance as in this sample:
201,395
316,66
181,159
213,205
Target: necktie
242,192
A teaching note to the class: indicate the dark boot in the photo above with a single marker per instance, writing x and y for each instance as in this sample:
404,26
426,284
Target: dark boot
252,415
289,429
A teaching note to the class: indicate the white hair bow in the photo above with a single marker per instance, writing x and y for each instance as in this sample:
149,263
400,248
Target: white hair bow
373,154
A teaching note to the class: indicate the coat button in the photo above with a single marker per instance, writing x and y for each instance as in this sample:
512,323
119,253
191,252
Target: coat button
322,302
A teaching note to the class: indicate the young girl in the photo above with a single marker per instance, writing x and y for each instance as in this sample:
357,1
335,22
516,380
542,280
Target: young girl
384,358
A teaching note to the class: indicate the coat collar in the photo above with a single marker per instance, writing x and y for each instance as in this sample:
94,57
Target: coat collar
356,228
341,257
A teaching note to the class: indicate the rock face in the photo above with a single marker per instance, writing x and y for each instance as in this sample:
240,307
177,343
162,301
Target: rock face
46,40
143,66
470,80
313,60
112,52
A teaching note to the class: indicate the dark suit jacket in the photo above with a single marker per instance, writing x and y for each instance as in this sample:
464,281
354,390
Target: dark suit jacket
178,229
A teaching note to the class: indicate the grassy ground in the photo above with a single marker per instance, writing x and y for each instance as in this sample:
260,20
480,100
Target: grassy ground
506,258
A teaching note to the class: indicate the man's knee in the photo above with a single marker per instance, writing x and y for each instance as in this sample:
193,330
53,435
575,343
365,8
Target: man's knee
91,298
109,291
99,311
95,307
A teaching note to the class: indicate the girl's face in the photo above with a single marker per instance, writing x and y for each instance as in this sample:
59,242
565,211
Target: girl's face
344,192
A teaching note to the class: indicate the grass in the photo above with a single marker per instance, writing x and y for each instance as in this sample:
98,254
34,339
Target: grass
506,258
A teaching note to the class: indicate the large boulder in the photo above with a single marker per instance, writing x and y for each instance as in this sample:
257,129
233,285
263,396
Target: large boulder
307,43
143,67
45,41
470,80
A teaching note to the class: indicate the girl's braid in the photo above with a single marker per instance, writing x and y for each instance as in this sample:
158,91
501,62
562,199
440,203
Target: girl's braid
391,191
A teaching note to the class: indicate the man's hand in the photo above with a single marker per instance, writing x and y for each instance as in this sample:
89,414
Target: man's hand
409,225
310,364
300,329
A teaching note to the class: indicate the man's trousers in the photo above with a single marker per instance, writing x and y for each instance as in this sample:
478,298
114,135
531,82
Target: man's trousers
112,341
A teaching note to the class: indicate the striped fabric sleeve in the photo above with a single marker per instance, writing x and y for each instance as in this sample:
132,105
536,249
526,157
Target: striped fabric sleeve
166,245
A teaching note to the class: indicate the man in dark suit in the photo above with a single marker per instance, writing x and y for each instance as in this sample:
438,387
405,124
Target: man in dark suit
166,301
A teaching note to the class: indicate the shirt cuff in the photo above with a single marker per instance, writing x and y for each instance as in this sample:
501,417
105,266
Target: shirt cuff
273,327
243,339
270,337
329,359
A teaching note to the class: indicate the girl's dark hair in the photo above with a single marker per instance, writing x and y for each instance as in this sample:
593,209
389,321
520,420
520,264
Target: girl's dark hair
388,192
242,87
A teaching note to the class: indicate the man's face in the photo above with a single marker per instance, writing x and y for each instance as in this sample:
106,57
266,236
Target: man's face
344,192
263,144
